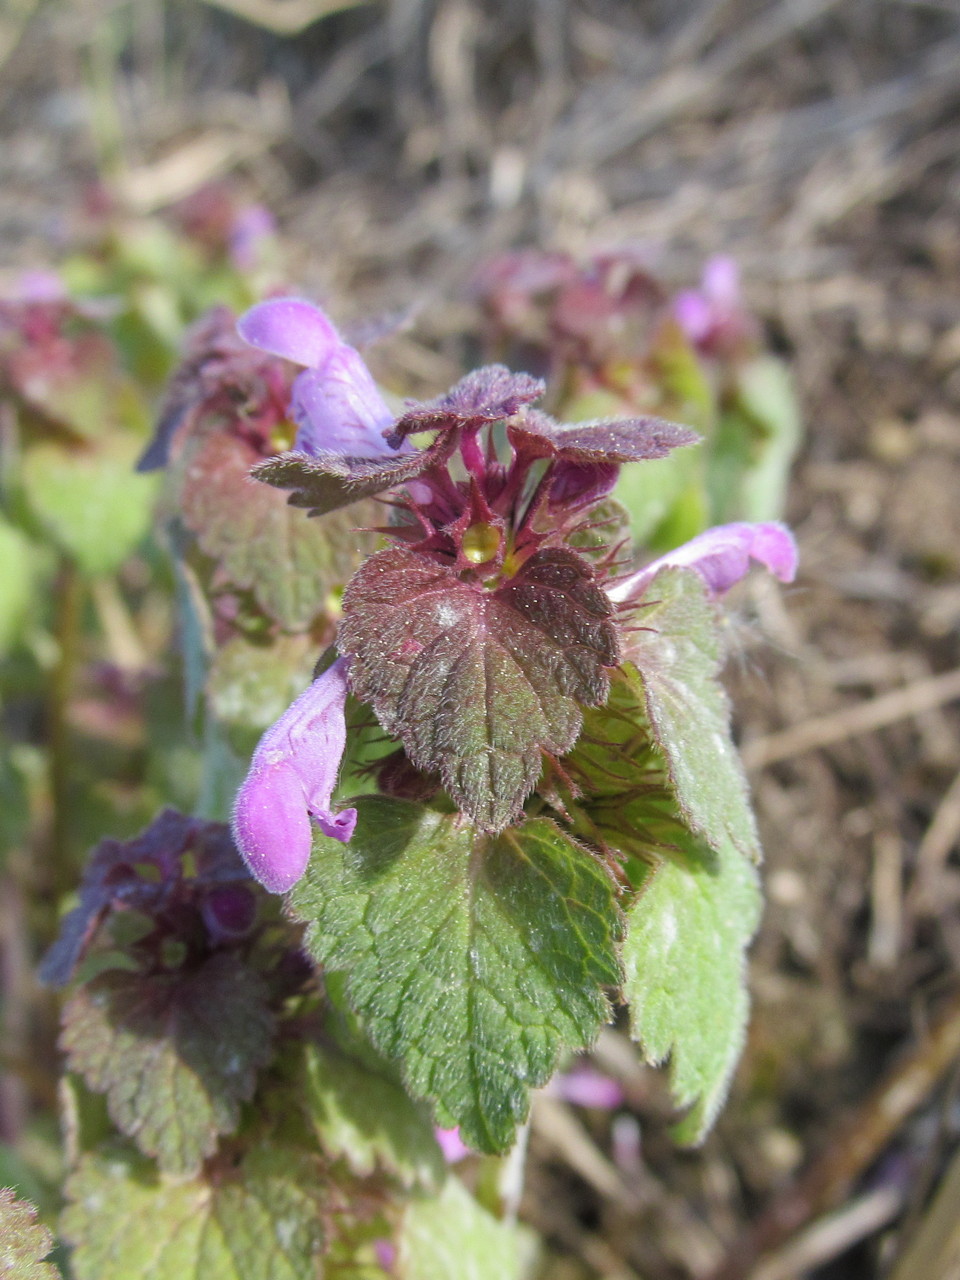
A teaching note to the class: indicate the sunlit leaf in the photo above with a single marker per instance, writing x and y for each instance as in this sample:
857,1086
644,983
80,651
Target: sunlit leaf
472,960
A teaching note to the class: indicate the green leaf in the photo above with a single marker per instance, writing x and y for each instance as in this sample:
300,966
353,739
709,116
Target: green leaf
477,683
767,398
175,1053
677,654
24,1242
684,956
619,773
257,1218
95,507
451,1237
290,563
368,1119
251,685
473,960
696,911
16,582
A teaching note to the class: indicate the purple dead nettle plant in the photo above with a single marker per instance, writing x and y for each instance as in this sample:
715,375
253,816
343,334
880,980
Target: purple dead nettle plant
490,503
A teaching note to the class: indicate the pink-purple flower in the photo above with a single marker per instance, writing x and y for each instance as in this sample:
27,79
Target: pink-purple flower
335,401
721,556
713,317
291,780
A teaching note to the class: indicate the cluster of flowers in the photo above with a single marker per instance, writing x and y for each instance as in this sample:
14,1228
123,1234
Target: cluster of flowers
485,492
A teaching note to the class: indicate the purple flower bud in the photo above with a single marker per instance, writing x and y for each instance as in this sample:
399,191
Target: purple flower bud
385,1252
291,779
585,1086
229,912
252,228
452,1145
722,557
713,317
335,403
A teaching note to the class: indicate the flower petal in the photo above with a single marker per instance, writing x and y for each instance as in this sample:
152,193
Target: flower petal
271,825
338,409
292,328
292,776
451,1144
721,282
722,557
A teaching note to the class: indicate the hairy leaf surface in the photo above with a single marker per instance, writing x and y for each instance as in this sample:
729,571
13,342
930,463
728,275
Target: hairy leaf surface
24,1242
605,440
259,1218
695,912
678,658
684,955
478,683
473,960
175,1053
289,563
367,1118
327,481
450,1235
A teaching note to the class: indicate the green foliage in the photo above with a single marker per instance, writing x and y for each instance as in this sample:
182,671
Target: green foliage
476,682
291,564
251,685
362,1114
765,415
473,960
257,1216
24,1242
89,500
176,1053
677,654
683,954
16,582
453,1238
696,909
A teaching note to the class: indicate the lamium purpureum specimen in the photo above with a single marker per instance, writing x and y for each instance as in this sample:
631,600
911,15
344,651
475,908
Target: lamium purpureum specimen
503,611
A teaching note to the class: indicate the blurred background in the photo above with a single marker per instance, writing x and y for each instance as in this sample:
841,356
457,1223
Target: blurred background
400,145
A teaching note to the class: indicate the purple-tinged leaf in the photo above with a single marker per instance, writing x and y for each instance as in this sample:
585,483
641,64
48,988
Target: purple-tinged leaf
608,440
174,1052
145,874
328,481
477,684
290,564
489,394
721,556
292,776
24,1242
221,385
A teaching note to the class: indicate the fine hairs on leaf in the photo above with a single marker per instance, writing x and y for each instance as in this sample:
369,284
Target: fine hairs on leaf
176,1053
471,960
478,684
695,909
677,654
24,1242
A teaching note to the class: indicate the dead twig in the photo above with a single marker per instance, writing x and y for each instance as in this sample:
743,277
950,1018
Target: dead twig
854,1146
824,731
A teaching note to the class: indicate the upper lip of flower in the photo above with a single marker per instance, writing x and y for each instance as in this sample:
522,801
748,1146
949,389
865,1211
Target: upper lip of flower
335,402
721,556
